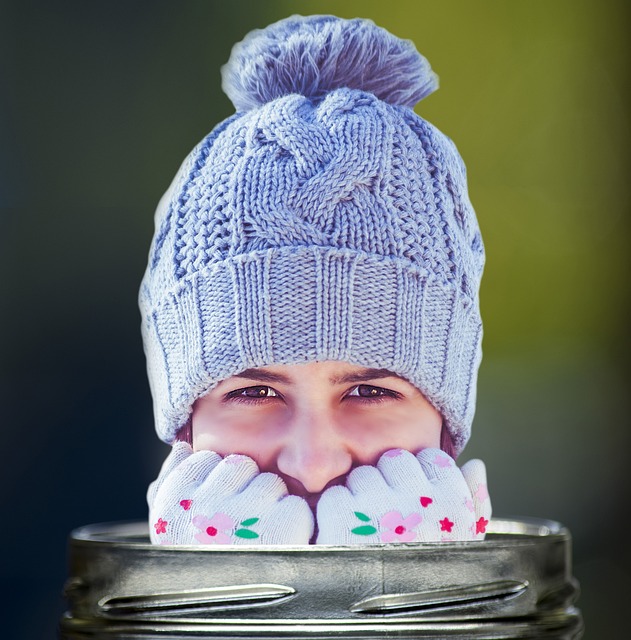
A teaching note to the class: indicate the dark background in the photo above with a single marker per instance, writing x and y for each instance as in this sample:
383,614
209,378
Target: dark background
100,103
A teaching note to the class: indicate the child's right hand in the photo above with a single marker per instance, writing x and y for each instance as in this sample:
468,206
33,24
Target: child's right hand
200,498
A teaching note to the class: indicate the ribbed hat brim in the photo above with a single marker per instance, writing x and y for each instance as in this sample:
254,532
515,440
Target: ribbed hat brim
292,305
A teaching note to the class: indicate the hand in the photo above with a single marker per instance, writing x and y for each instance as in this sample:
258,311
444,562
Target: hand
200,498
407,498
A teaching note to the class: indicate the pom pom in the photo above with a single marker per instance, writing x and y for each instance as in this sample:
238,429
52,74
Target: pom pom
313,55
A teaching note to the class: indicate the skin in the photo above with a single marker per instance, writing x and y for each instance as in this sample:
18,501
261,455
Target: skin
312,423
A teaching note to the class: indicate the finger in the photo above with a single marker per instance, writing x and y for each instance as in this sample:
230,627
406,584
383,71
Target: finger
265,488
333,516
171,510
343,519
289,522
474,473
366,480
334,500
231,476
180,452
256,519
440,469
402,471
185,478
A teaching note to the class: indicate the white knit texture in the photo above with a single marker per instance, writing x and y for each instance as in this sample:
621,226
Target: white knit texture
198,498
407,498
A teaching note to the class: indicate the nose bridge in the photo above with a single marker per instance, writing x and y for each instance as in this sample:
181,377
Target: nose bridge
314,451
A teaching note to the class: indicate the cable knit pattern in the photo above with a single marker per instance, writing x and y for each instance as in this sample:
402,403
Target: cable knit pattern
332,225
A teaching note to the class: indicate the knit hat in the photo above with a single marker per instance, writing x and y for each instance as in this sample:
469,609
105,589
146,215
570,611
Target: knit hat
324,220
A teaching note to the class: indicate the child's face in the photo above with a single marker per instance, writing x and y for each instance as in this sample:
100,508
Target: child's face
312,423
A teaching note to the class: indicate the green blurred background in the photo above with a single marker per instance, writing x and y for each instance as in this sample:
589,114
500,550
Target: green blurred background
100,103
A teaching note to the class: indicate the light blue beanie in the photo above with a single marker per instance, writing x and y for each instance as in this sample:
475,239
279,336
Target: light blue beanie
324,220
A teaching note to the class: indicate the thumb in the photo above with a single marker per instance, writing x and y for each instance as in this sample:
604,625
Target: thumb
474,473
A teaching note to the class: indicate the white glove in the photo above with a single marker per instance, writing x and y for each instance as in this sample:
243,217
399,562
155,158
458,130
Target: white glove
407,498
198,498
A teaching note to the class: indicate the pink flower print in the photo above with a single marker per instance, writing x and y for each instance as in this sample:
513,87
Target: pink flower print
480,525
393,453
482,493
400,529
215,530
469,504
446,525
160,526
442,461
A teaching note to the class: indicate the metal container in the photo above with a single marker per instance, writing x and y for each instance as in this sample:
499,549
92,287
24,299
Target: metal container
515,584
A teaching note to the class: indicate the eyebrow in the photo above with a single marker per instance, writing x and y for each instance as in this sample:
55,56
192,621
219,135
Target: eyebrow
355,377
260,375
365,375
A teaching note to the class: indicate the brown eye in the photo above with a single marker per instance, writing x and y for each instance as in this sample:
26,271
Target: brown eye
252,395
368,391
256,392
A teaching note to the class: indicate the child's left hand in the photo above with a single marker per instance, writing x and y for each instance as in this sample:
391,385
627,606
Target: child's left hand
407,498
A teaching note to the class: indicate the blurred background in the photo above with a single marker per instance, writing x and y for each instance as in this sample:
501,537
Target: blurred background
100,103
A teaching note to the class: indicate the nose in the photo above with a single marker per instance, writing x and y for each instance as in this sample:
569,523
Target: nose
314,451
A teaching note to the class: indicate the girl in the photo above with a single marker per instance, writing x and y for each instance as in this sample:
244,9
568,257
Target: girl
310,307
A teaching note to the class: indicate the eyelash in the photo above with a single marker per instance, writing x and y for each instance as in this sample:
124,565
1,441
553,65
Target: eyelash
383,394
239,395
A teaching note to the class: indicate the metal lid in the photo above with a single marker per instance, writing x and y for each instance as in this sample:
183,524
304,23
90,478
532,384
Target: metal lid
515,584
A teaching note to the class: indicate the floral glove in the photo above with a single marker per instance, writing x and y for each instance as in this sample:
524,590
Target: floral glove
200,498
407,498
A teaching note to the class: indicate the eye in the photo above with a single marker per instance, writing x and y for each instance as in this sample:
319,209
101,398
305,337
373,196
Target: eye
368,391
252,394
